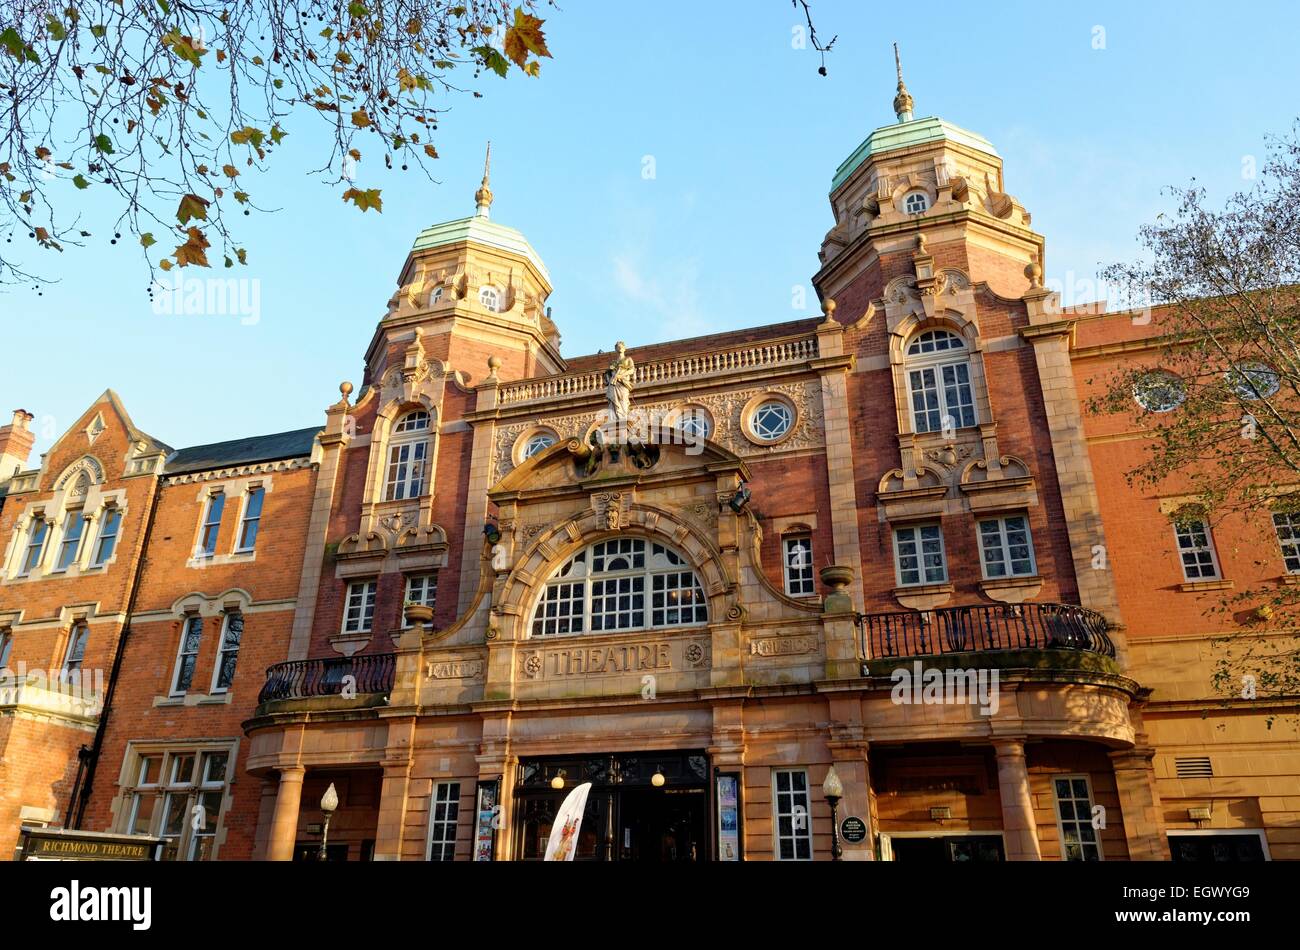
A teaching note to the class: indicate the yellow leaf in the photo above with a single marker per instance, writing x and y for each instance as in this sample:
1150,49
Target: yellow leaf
360,119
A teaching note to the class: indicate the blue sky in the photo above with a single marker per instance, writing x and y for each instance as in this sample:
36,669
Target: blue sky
745,137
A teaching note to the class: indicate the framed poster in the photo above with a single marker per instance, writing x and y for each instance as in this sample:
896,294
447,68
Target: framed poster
728,811
487,814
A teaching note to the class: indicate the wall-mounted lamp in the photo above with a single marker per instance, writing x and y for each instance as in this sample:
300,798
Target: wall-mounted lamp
492,532
329,802
1198,814
740,499
940,813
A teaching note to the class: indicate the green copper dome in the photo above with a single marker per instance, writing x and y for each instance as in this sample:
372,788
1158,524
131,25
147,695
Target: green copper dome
479,229
901,135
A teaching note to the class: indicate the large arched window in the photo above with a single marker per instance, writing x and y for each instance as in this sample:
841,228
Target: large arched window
620,584
408,456
938,382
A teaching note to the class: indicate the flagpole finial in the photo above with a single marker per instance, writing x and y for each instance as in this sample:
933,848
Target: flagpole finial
483,197
903,100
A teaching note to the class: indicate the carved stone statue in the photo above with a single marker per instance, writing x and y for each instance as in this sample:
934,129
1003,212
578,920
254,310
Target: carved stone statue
619,381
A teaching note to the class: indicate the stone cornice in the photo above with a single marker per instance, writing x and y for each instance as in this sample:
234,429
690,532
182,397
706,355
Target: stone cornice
239,471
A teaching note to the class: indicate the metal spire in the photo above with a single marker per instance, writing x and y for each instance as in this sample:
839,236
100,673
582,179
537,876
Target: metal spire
903,100
483,197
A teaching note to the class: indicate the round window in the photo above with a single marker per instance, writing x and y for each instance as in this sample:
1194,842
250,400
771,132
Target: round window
1253,380
915,202
536,443
772,420
1159,391
695,422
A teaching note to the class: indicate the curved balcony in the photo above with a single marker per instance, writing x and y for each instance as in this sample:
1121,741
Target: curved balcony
984,628
304,679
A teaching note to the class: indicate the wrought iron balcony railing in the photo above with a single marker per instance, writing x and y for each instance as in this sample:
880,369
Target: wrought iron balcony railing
984,627
301,679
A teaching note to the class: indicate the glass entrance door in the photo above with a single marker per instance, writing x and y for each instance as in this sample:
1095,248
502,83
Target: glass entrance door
651,806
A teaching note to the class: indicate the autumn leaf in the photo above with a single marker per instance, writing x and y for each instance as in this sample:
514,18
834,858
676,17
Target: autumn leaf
192,206
230,170
360,119
80,182
192,251
183,47
247,135
525,36
165,264
365,200
492,59
430,151
146,240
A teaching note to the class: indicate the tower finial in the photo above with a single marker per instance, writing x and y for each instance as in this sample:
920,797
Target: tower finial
903,100
483,197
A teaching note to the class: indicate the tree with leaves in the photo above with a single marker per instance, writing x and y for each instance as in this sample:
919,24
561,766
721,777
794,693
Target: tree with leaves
175,105
1221,289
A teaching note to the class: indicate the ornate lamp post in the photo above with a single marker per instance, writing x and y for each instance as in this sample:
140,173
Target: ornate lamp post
328,803
833,789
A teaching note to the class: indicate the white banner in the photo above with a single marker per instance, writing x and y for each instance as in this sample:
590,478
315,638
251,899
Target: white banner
563,843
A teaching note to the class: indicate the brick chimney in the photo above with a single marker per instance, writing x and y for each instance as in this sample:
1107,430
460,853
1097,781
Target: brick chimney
16,442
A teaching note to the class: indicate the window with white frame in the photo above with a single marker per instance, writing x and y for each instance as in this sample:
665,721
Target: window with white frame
37,532
191,786
232,634
798,566
939,382
359,609
919,555
1079,841
187,654
110,524
75,653
790,803
772,420
444,813
537,442
74,523
251,520
1006,549
6,647
422,589
408,455
491,298
1196,549
620,584
915,202
694,422
212,512
1287,526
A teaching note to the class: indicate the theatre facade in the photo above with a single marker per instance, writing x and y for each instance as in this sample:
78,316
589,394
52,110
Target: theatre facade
701,576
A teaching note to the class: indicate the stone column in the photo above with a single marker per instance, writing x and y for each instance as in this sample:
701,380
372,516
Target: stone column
1139,803
1019,831
392,812
333,441
284,820
848,747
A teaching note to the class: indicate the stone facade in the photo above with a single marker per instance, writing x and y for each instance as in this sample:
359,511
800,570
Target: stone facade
812,515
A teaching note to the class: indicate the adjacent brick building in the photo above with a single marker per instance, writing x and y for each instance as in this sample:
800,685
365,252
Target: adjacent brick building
466,591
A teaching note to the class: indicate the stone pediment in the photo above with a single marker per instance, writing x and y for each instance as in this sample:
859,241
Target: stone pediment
573,463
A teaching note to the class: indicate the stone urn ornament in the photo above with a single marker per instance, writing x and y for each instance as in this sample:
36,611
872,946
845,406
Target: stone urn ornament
417,614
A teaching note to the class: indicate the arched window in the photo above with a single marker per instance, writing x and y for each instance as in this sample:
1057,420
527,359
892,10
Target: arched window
915,202
408,455
490,297
620,584
938,382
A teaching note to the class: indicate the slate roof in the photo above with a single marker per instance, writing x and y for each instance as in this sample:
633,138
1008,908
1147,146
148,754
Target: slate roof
259,448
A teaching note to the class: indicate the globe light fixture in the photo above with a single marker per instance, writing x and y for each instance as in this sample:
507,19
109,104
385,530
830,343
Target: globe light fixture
657,780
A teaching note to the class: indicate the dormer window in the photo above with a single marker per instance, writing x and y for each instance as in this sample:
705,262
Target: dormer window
491,298
916,202
408,455
938,382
